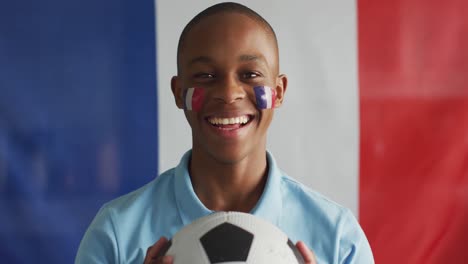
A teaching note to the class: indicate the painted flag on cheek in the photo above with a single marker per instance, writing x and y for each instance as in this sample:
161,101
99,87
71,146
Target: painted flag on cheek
194,99
265,97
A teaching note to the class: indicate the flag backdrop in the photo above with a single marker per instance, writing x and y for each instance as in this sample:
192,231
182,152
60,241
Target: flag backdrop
77,118
375,117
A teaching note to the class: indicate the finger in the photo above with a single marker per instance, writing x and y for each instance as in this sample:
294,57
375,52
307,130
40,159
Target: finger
152,252
167,260
162,260
306,253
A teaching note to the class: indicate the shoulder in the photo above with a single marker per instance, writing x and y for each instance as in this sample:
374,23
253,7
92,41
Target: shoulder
297,197
115,230
142,197
313,201
326,225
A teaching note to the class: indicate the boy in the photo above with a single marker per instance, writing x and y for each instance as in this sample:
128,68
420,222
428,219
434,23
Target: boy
228,83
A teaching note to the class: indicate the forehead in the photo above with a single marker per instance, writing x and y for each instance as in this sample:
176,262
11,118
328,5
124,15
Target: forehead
228,35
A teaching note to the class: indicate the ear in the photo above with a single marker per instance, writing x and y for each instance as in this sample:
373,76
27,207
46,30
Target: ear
281,85
177,91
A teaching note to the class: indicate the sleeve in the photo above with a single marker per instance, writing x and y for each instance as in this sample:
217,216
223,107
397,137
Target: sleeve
354,247
99,244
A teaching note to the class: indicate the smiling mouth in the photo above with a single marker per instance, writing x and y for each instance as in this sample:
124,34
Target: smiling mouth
230,123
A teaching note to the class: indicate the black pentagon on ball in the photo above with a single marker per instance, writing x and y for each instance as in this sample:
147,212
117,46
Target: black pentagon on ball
227,242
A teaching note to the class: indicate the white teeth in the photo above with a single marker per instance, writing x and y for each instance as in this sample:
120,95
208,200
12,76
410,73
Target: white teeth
229,121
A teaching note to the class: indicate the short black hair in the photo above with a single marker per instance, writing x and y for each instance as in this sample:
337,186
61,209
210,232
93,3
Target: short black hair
226,7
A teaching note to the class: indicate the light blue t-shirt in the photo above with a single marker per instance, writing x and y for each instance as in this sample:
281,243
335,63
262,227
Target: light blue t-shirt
124,228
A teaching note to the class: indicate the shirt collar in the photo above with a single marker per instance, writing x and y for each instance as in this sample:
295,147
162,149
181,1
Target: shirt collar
269,206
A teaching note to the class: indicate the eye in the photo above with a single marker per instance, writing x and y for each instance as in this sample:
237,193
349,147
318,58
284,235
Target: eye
203,75
250,75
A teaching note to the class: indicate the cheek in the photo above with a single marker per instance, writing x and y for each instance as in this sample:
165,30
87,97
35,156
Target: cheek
191,118
263,97
266,117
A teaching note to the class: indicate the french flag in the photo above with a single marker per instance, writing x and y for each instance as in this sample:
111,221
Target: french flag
265,97
193,99
375,115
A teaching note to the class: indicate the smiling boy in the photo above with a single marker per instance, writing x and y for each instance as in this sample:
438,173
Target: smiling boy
227,58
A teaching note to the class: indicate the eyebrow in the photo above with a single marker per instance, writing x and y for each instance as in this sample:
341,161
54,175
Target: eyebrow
242,58
248,57
203,59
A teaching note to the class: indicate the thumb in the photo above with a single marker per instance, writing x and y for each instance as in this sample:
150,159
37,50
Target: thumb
306,253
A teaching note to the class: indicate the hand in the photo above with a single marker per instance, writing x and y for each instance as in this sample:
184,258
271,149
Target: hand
152,254
307,254
153,251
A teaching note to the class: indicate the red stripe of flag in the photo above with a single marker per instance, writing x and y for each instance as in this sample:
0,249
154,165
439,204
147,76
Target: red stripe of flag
273,97
413,71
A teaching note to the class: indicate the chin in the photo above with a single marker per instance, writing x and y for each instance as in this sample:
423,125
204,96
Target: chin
228,155
223,151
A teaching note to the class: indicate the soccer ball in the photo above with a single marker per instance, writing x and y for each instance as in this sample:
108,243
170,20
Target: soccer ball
234,238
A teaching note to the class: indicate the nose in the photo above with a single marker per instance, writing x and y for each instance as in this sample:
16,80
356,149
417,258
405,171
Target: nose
229,91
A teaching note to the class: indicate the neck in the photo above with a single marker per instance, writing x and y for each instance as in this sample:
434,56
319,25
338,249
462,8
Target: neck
229,186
